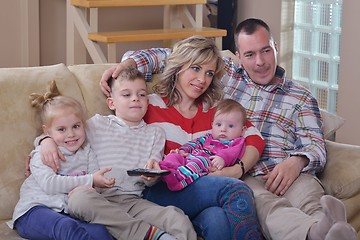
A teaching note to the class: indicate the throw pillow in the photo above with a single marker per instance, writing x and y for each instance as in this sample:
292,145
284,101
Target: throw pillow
331,123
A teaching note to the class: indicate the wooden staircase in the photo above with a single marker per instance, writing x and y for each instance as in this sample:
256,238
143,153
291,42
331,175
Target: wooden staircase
82,27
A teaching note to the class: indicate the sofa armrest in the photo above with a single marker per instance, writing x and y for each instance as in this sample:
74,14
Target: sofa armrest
341,176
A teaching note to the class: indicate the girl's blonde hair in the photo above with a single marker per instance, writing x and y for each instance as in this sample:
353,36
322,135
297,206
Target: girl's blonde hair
49,103
194,50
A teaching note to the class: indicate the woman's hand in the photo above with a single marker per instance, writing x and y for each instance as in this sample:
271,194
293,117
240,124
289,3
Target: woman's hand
113,72
101,181
231,171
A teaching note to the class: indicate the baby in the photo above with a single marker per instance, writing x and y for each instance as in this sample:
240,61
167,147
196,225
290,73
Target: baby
223,147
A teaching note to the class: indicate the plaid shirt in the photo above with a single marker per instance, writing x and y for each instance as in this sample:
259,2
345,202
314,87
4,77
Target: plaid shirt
286,114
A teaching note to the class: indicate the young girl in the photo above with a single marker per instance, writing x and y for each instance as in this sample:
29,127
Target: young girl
41,212
222,148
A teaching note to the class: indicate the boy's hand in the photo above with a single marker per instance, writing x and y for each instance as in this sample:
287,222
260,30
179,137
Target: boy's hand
151,164
27,166
50,154
101,181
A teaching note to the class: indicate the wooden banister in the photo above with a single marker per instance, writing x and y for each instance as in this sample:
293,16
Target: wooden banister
131,3
178,23
154,34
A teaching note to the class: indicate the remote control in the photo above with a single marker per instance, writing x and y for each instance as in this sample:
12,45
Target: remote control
147,172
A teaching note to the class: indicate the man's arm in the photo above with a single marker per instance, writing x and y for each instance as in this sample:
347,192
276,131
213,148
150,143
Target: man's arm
310,137
148,61
309,154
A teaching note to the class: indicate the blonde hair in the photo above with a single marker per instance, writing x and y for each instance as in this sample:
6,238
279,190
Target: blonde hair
51,101
190,51
229,105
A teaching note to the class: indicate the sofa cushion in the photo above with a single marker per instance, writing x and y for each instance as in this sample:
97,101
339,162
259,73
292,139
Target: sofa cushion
341,178
17,137
341,174
8,233
331,123
88,76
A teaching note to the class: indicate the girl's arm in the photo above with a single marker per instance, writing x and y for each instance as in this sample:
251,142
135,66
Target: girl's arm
52,183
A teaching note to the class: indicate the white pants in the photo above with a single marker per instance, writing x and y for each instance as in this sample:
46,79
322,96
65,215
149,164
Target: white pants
289,216
129,216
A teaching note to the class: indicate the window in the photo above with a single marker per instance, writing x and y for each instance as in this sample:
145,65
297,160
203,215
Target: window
316,48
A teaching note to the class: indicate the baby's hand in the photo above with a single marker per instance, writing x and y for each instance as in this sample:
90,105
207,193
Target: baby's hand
101,181
179,151
217,162
174,150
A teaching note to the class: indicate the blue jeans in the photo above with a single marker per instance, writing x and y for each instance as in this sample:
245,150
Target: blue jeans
219,207
41,222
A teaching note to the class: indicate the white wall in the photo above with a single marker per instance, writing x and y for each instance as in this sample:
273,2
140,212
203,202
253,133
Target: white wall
269,11
349,83
19,25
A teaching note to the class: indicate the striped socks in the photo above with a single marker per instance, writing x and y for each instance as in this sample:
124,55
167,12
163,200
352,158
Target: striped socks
155,233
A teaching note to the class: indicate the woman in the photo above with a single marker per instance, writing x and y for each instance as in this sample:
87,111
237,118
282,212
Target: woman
183,105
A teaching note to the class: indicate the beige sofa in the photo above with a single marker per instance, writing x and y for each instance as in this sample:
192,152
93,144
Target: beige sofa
341,177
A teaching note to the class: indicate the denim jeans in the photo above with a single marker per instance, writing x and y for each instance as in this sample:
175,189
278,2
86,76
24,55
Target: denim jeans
41,222
219,207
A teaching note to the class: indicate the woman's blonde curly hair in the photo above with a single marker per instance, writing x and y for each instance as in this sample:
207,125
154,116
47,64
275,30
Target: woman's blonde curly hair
195,50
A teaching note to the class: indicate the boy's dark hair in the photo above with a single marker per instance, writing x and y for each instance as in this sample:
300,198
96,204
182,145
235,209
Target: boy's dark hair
129,73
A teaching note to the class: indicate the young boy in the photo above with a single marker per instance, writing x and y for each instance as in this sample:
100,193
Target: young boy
222,148
124,141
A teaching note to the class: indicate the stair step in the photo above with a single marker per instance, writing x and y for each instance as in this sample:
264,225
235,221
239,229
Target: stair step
131,3
154,34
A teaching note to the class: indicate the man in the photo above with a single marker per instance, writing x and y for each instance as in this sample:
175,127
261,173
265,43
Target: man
287,193
290,199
